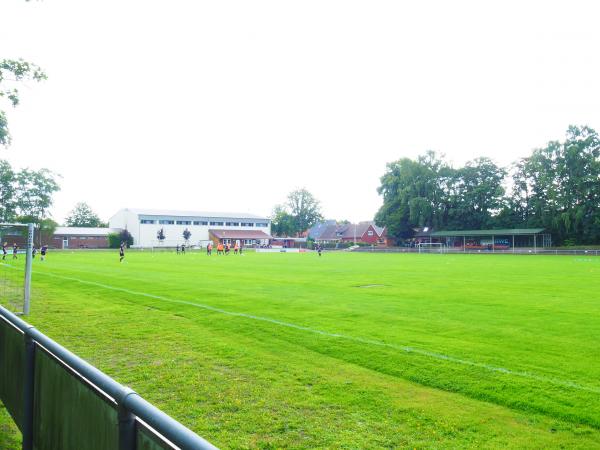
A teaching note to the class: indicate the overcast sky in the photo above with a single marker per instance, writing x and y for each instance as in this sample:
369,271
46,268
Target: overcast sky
228,106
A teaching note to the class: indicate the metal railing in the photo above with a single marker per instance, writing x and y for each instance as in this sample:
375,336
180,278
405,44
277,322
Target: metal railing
460,250
60,401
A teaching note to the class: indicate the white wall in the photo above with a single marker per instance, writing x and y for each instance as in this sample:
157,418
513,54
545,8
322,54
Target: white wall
144,235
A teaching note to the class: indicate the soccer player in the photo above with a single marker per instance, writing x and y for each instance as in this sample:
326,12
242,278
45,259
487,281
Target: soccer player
319,249
209,249
4,251
227,248
220,249
15,248
177,248
33,252
236,247
183,249
43,251
122,252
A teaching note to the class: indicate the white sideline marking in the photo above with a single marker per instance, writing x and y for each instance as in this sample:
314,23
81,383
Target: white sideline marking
440,356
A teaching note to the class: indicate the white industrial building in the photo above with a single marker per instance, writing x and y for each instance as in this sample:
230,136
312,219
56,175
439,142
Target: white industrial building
144,226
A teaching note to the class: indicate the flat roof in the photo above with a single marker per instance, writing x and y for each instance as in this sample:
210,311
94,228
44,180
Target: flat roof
85,231
177,213
515,231
239,234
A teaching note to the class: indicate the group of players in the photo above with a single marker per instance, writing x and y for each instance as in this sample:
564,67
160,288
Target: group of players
15,250
224,249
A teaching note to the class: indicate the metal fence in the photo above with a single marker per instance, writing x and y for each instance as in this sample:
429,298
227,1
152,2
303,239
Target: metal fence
516,251
60,402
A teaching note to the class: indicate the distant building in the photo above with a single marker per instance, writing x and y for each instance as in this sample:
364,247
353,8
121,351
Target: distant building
144,225
81,237
330,232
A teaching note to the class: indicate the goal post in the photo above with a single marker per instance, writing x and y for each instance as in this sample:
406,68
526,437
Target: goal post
432,247
16,240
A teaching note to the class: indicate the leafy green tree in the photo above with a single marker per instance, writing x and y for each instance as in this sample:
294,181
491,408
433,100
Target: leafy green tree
83,216
114,240
415,194
282,222
34,192
125,236
11,73
186,236
304,208
7,192
564,180
477,195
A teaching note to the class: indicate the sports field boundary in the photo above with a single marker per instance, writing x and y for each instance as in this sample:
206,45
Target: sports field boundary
405,349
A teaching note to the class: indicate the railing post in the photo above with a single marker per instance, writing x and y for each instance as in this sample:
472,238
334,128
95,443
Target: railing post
127,440
28,392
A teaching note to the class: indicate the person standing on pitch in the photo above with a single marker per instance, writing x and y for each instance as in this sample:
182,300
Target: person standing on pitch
319,249
183,249
122,252
177,248
15,248
236,247
208,249
4,251
43,251
33,252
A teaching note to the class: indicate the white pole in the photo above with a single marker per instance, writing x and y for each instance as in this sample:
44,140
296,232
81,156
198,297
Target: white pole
28,259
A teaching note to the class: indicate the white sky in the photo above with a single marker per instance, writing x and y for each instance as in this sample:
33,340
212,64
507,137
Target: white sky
228,106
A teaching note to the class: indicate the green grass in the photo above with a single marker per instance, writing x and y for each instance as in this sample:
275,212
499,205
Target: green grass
285,350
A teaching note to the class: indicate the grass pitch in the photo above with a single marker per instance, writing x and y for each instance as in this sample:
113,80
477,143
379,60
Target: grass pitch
348,350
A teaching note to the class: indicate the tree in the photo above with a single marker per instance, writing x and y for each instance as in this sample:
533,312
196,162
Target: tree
304,208
160,235
125,236
478,195
7,192
34,191
282,222
415,194
83,216
12,72
186,236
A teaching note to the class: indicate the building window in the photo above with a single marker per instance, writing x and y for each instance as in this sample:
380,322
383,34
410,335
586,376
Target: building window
232,224
370,233
200,222
184,222
147,221
82,237
262,224
247,224
218,224
166,222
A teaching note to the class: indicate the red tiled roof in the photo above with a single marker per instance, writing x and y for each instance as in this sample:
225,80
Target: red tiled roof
239,234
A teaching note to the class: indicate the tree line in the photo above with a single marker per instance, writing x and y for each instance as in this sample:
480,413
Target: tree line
556,187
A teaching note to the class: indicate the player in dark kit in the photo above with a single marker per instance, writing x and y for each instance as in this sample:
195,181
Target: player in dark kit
4,251
122,252
43,251
15,251
183,249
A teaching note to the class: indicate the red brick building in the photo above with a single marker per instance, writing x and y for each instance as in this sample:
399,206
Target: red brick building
363,232
247,238
81,237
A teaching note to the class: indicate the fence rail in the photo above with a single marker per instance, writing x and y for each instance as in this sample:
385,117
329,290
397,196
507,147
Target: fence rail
516,251
61,402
